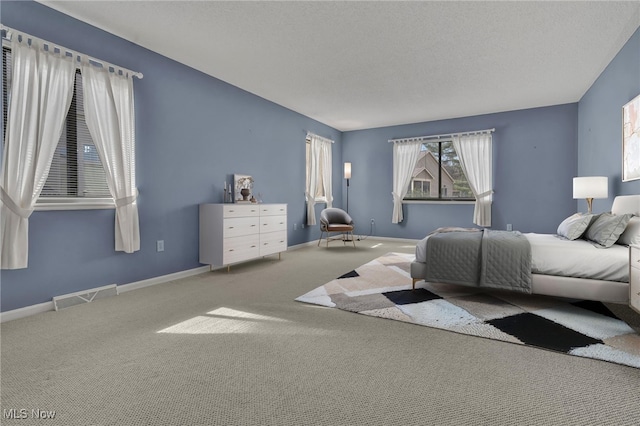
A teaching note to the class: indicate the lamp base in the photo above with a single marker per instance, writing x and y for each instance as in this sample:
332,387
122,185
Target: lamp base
589,205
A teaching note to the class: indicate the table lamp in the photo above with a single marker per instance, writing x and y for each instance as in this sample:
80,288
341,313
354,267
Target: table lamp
590,187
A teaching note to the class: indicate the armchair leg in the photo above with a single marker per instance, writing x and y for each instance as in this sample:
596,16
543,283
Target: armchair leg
342,235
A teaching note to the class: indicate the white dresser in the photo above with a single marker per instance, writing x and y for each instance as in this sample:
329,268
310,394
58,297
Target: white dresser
231,233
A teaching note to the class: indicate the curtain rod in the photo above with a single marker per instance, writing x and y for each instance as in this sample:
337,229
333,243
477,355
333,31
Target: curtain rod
9,31
309,134
448,135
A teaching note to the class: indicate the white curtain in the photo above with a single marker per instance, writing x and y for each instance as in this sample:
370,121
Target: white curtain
109,113
405,155
319,172
40,96
475,155
326,160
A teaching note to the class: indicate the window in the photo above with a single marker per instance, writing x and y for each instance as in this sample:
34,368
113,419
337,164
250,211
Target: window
438,174
323,165
76,177
318,174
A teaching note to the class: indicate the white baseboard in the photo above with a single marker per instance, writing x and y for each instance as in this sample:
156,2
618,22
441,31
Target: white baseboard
374,238
50,306
361,238
395,239
302,245
162,279
26,311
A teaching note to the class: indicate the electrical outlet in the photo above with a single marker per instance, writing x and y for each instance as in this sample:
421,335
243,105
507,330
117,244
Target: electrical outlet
160,245
373,222
295,226
302,226
509,227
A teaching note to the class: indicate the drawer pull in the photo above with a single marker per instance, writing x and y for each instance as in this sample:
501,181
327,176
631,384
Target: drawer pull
230,249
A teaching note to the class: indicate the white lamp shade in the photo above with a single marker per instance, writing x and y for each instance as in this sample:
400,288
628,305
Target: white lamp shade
347,170
590,187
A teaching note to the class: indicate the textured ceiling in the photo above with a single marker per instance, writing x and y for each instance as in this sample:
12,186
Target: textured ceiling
356,65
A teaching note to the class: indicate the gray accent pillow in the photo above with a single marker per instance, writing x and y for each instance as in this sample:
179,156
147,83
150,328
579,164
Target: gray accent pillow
607,228
631,234
574,226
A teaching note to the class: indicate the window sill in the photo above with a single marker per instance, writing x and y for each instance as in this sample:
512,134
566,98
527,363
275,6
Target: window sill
48,204
447,202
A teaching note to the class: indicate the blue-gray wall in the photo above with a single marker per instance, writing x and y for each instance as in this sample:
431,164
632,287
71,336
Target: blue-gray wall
193,131
534,160
600,122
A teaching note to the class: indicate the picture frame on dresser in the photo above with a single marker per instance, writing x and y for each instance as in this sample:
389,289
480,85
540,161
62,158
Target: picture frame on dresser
631,140
243,188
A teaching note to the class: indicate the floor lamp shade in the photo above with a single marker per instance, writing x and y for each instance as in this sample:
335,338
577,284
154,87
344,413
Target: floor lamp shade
347,176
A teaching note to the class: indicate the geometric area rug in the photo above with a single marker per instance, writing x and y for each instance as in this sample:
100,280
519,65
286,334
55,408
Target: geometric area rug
382,288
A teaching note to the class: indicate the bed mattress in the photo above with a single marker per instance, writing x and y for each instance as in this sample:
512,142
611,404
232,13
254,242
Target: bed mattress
551,255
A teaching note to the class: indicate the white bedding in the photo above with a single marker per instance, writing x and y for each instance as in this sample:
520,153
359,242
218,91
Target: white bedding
551,255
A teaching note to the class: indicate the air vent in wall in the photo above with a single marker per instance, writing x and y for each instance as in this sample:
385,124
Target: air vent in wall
85,296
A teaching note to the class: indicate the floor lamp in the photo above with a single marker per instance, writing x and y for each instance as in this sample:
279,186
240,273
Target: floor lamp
347,176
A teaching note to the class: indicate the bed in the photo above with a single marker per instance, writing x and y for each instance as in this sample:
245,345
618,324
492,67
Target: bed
575,263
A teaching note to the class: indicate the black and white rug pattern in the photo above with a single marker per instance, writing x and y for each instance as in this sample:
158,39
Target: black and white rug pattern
382,288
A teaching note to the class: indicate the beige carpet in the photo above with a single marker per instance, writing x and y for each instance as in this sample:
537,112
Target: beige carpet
260,358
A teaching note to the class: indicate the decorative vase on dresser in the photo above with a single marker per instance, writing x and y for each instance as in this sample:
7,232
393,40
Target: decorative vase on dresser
232,233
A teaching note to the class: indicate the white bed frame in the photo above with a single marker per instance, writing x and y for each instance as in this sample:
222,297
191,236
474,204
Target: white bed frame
573,288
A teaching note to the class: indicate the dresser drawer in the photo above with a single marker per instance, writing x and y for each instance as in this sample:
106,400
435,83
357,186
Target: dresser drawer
273,223
273,242
635,257
273,210
240,210
237,249
237,226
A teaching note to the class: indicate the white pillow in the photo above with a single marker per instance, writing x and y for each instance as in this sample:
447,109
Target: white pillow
631,234
574,226
607,228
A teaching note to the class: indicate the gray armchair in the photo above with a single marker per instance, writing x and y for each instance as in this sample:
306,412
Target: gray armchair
334,220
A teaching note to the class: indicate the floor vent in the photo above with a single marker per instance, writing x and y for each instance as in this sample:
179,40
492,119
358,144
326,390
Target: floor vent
85,296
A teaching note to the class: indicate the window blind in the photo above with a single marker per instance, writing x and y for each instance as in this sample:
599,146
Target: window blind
76,169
